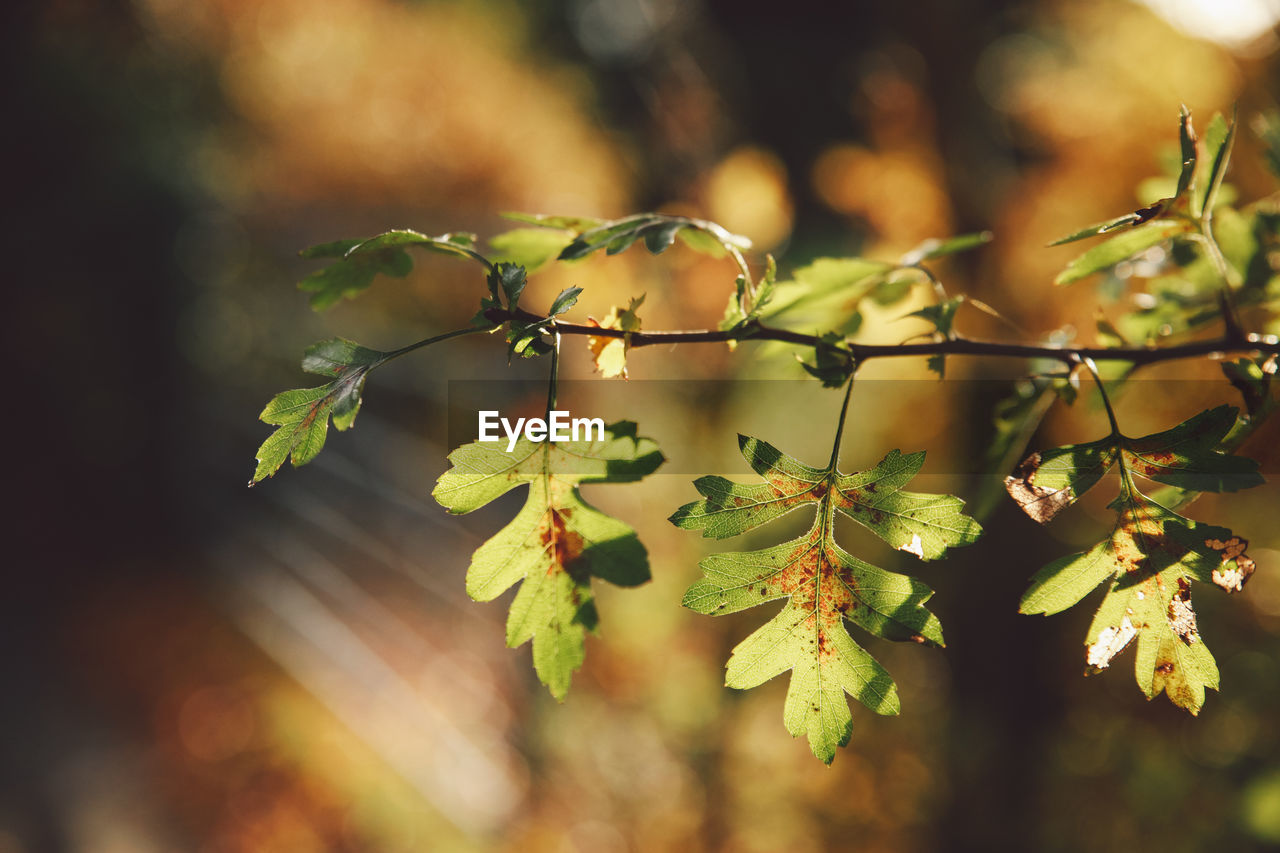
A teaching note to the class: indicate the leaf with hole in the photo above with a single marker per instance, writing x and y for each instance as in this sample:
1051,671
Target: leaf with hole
1152,555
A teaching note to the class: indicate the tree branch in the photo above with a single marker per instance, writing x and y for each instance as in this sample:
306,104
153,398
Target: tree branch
756,331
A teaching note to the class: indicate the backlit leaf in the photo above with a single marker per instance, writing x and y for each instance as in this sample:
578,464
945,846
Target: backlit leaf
610,353
302,415
1218,139
937,248
531,248
1120,248
1152,555
823,585
557,542
360,261
657,230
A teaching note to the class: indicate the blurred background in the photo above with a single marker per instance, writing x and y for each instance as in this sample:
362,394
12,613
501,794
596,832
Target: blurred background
190,665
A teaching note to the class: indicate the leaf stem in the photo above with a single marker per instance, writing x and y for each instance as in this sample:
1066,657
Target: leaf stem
1102,392
456,333
1126,479
933,279
552,385
844,411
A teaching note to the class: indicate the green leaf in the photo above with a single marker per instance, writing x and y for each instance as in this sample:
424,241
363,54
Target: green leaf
566,300
1152,555
508,280
302,415
1160,206
1151,559
1137,217
1267,126
823,584
827,293
1120,248
921,524
832,364
1218,139
351,275
702,242
1254,379
557,542
935,248
842,275
445,244
531,248
657,230
1186,456
561,223
1049,482
745,304
360,261
942,315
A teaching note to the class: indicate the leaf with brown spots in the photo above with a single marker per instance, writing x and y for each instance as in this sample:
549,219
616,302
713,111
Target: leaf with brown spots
1046,483
824,586
1186,457
921,524
557,542
1151,558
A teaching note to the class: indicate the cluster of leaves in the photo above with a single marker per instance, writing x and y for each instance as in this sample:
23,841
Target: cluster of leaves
1203,259
1186,241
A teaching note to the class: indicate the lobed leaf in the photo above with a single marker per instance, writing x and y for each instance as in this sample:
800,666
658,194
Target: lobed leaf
824,586
657,230
302,415
557,542
360,261
1186,456
1046,483
922,524
1152,556
1151,559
